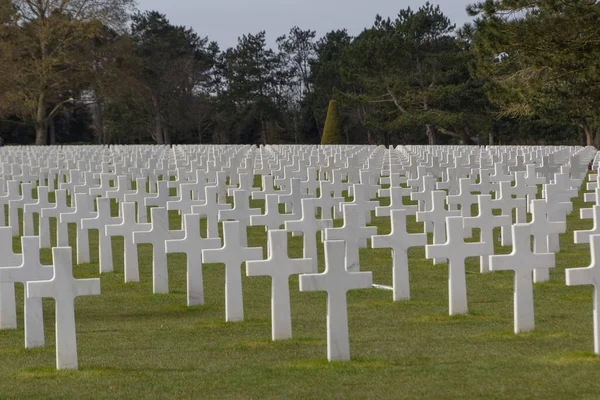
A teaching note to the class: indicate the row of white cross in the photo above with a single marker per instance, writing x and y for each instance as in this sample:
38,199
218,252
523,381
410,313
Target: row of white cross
444,181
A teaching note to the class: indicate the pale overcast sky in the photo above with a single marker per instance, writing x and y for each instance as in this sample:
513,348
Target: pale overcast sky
225,20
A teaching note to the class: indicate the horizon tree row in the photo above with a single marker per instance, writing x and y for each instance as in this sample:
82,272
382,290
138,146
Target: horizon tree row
90,71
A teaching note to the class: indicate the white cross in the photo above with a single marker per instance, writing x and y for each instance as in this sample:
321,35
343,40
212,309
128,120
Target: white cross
396,196
64,289
456,251
500,176
293,198
584,236
354,233
99,222
522,261
485,221
156,236
20,203
240,212
272,218
280,268
267,188
363,201
122,189
309,225
43,223
210,209
541,230
186,200
160,198
30,269
590,276
139,197
464,198
336,281
193,245
506,204
125,229
399,240
436,216
83,209
59,207
232,254
8,308
327,200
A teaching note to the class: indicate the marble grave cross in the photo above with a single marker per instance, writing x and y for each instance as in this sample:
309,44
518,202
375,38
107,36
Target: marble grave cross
64,289
541,230
485,221
354,233
437,217
8,308
523,262
590,276
309,225
193,245
59,207
232,254
399,240
337,280
456,250
280,268
30,270
83,209
99,222
156,236
126,228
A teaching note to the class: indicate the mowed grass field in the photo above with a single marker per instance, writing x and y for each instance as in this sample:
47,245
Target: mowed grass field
134,344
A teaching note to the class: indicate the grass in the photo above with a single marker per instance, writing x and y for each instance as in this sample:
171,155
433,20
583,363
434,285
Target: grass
133,344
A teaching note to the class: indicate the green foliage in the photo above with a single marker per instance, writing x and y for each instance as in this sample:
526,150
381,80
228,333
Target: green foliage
408,79
541,58
414,70
333,132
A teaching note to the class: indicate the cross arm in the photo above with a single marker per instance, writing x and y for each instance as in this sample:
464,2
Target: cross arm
87,287
40,289
436,251
313,282
581,276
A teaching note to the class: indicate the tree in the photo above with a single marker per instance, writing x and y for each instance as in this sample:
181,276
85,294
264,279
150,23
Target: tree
413,70
326,73
173,63
333,132
297,53
542,59
253,84
44,52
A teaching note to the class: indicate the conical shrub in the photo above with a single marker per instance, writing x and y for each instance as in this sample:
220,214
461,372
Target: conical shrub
333,132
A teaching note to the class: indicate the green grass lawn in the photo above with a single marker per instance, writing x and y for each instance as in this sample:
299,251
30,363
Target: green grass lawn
133,344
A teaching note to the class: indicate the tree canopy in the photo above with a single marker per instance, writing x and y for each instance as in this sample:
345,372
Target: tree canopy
524,71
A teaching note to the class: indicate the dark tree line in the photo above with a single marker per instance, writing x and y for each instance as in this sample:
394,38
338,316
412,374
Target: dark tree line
526,71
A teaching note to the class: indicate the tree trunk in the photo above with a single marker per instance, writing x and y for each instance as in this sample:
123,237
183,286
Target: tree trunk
589,135
370,139
98,118
430,134
41,122
264,130
158,123
166,135
491,138
296,128
52,129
